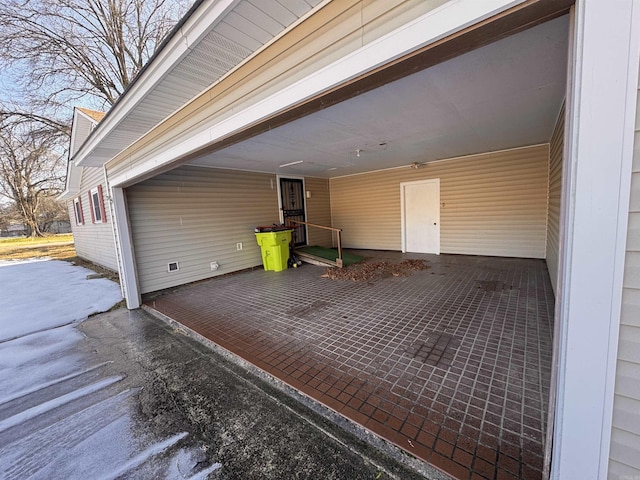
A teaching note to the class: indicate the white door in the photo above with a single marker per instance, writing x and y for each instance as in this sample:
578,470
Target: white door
421,216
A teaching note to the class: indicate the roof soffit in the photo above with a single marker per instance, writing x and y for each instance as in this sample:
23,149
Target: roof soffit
218,36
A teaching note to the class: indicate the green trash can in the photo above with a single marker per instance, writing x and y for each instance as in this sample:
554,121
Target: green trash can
275,248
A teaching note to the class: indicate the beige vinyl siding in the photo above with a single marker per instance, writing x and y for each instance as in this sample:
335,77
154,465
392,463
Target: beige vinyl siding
197,215
318,210
334,31
625,436
491,204
555,188
93,241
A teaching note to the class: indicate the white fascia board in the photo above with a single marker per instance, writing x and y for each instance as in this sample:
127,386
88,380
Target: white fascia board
66,195
77,111
68,191
74,129
78,117
599,141
196,27
72,183
74,173
424,30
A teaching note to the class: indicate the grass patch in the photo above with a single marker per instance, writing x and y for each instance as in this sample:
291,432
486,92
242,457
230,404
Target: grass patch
11,251
330,254
105,272
34,241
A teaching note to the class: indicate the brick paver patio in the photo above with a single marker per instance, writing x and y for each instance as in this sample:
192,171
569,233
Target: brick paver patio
452,363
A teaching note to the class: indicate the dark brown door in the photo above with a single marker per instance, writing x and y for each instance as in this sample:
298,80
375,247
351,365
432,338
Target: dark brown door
292,192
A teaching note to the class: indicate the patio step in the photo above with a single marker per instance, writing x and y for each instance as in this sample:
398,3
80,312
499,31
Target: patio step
315,260
324,256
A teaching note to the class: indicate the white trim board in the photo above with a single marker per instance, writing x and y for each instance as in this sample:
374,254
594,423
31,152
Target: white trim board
197,26
598,137
427,29
128,275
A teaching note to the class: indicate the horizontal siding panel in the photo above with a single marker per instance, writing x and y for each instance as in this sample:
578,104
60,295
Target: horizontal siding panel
556,147
636,149
632,270
625,436
626,416
94,241
631,307
619,470
623,453
633,232
382,17
629,345
319,211
491,204
194,216
628,379
634,204
174,218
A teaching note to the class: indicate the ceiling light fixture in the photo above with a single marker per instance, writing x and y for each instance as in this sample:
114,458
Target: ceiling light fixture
358,152
289,164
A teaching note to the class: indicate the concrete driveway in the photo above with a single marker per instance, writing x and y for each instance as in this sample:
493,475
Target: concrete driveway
123,395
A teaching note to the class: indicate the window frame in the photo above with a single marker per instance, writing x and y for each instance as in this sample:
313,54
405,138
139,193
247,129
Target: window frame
96,203
77,210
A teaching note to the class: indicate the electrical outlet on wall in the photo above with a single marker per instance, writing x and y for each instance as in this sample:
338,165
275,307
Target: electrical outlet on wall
239,246
214,266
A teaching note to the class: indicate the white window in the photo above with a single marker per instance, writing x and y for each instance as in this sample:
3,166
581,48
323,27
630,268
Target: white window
96,203
77,208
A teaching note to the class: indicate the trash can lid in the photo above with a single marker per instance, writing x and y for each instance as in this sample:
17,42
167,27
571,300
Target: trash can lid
271,228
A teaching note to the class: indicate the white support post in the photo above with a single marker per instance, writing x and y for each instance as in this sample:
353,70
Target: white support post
601,107
128,274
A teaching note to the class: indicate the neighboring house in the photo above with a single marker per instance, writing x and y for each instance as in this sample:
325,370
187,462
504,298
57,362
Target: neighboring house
510,122
21,230
15,230
59,226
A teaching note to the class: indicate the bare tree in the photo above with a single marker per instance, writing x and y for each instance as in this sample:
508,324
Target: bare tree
31,171
8,215
55,54
51,212
71,49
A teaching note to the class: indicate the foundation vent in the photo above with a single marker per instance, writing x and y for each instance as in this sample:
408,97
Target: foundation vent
172,267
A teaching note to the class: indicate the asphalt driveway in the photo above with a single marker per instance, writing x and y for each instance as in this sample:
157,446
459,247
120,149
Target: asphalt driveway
124,395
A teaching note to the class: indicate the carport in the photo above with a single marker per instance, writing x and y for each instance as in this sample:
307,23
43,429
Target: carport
381,113
451,364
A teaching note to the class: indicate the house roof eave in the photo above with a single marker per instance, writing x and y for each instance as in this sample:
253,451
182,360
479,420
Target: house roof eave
179,42
166,83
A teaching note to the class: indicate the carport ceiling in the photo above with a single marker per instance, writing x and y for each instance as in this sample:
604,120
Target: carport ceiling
504,95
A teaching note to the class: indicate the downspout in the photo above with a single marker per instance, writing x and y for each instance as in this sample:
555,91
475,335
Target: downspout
124,246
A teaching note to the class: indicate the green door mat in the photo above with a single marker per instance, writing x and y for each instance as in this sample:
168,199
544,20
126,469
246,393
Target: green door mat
330,254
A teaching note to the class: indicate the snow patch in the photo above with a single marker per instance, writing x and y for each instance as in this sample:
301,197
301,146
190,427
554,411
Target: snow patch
38,295
38,358
45,407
